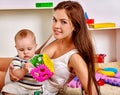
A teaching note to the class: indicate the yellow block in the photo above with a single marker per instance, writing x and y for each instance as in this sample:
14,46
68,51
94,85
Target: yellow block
48,62
102,25
107,73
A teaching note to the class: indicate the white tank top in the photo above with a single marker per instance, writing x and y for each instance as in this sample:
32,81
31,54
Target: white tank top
61,74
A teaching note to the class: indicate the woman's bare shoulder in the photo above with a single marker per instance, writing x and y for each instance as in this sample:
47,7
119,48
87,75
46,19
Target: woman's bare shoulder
76,61
50,48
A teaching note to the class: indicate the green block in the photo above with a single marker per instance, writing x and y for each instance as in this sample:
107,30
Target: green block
44,4
36,60
37,93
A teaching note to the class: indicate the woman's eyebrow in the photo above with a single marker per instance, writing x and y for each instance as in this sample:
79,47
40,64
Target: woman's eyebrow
65,19
61,18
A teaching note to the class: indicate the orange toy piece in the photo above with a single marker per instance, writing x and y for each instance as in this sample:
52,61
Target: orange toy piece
97,69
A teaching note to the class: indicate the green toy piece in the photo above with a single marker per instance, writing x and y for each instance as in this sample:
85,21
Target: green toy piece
36,60
37,93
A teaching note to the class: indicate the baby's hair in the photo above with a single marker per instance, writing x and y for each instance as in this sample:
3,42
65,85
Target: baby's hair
24,33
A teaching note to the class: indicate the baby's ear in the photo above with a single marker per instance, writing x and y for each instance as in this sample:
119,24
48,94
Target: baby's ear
36,45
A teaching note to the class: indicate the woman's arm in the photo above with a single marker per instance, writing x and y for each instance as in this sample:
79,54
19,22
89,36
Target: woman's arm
80,68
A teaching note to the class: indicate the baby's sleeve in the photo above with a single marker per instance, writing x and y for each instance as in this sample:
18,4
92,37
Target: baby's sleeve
16,64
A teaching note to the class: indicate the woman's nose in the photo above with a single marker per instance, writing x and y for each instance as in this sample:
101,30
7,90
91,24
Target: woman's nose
57,24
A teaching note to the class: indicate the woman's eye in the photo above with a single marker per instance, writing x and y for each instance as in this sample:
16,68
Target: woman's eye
54,20
63,22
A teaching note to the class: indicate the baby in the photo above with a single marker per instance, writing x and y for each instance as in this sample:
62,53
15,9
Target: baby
25,44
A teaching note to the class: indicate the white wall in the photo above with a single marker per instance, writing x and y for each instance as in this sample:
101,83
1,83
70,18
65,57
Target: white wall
39,21
11,21
102,10
105,43
107,40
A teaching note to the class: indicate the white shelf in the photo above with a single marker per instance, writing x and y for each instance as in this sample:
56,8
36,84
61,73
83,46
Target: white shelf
23,4
47,8
112,28
106,40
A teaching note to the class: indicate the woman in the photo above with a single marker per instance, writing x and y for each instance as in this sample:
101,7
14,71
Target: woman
71,51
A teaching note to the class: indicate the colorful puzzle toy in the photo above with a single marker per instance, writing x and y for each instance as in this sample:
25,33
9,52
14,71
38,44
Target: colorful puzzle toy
43,67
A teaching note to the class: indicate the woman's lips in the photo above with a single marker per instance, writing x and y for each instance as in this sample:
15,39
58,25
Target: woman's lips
57,32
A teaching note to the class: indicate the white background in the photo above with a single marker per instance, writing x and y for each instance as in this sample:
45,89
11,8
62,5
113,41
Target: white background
18,14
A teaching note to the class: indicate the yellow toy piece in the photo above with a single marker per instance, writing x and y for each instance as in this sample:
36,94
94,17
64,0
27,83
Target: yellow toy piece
107,73
47,61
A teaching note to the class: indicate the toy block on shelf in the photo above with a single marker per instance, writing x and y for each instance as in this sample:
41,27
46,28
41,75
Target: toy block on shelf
44,4
102,25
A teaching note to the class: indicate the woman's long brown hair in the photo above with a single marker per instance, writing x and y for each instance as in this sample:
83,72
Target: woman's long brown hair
81,37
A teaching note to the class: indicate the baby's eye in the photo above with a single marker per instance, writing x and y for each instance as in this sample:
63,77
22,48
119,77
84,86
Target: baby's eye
29,48
21,49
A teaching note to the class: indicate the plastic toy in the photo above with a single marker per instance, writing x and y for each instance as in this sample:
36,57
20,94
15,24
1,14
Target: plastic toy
110,80
107,71
74,83
100,82
102,25
110,69
36,60
88,21
43,67
100,58
41,73
38,93
86,15
48,62
117,75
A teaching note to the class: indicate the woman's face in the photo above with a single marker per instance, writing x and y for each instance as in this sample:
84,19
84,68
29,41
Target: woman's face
62,25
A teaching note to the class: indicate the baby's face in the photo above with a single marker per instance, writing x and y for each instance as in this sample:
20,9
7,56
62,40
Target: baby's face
26,48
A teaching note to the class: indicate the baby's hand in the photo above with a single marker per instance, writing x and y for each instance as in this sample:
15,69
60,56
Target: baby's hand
28,66
13,77
19,73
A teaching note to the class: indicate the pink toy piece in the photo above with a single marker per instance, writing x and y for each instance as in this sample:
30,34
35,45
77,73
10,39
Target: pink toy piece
74,83
41,73
98,76
117,75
